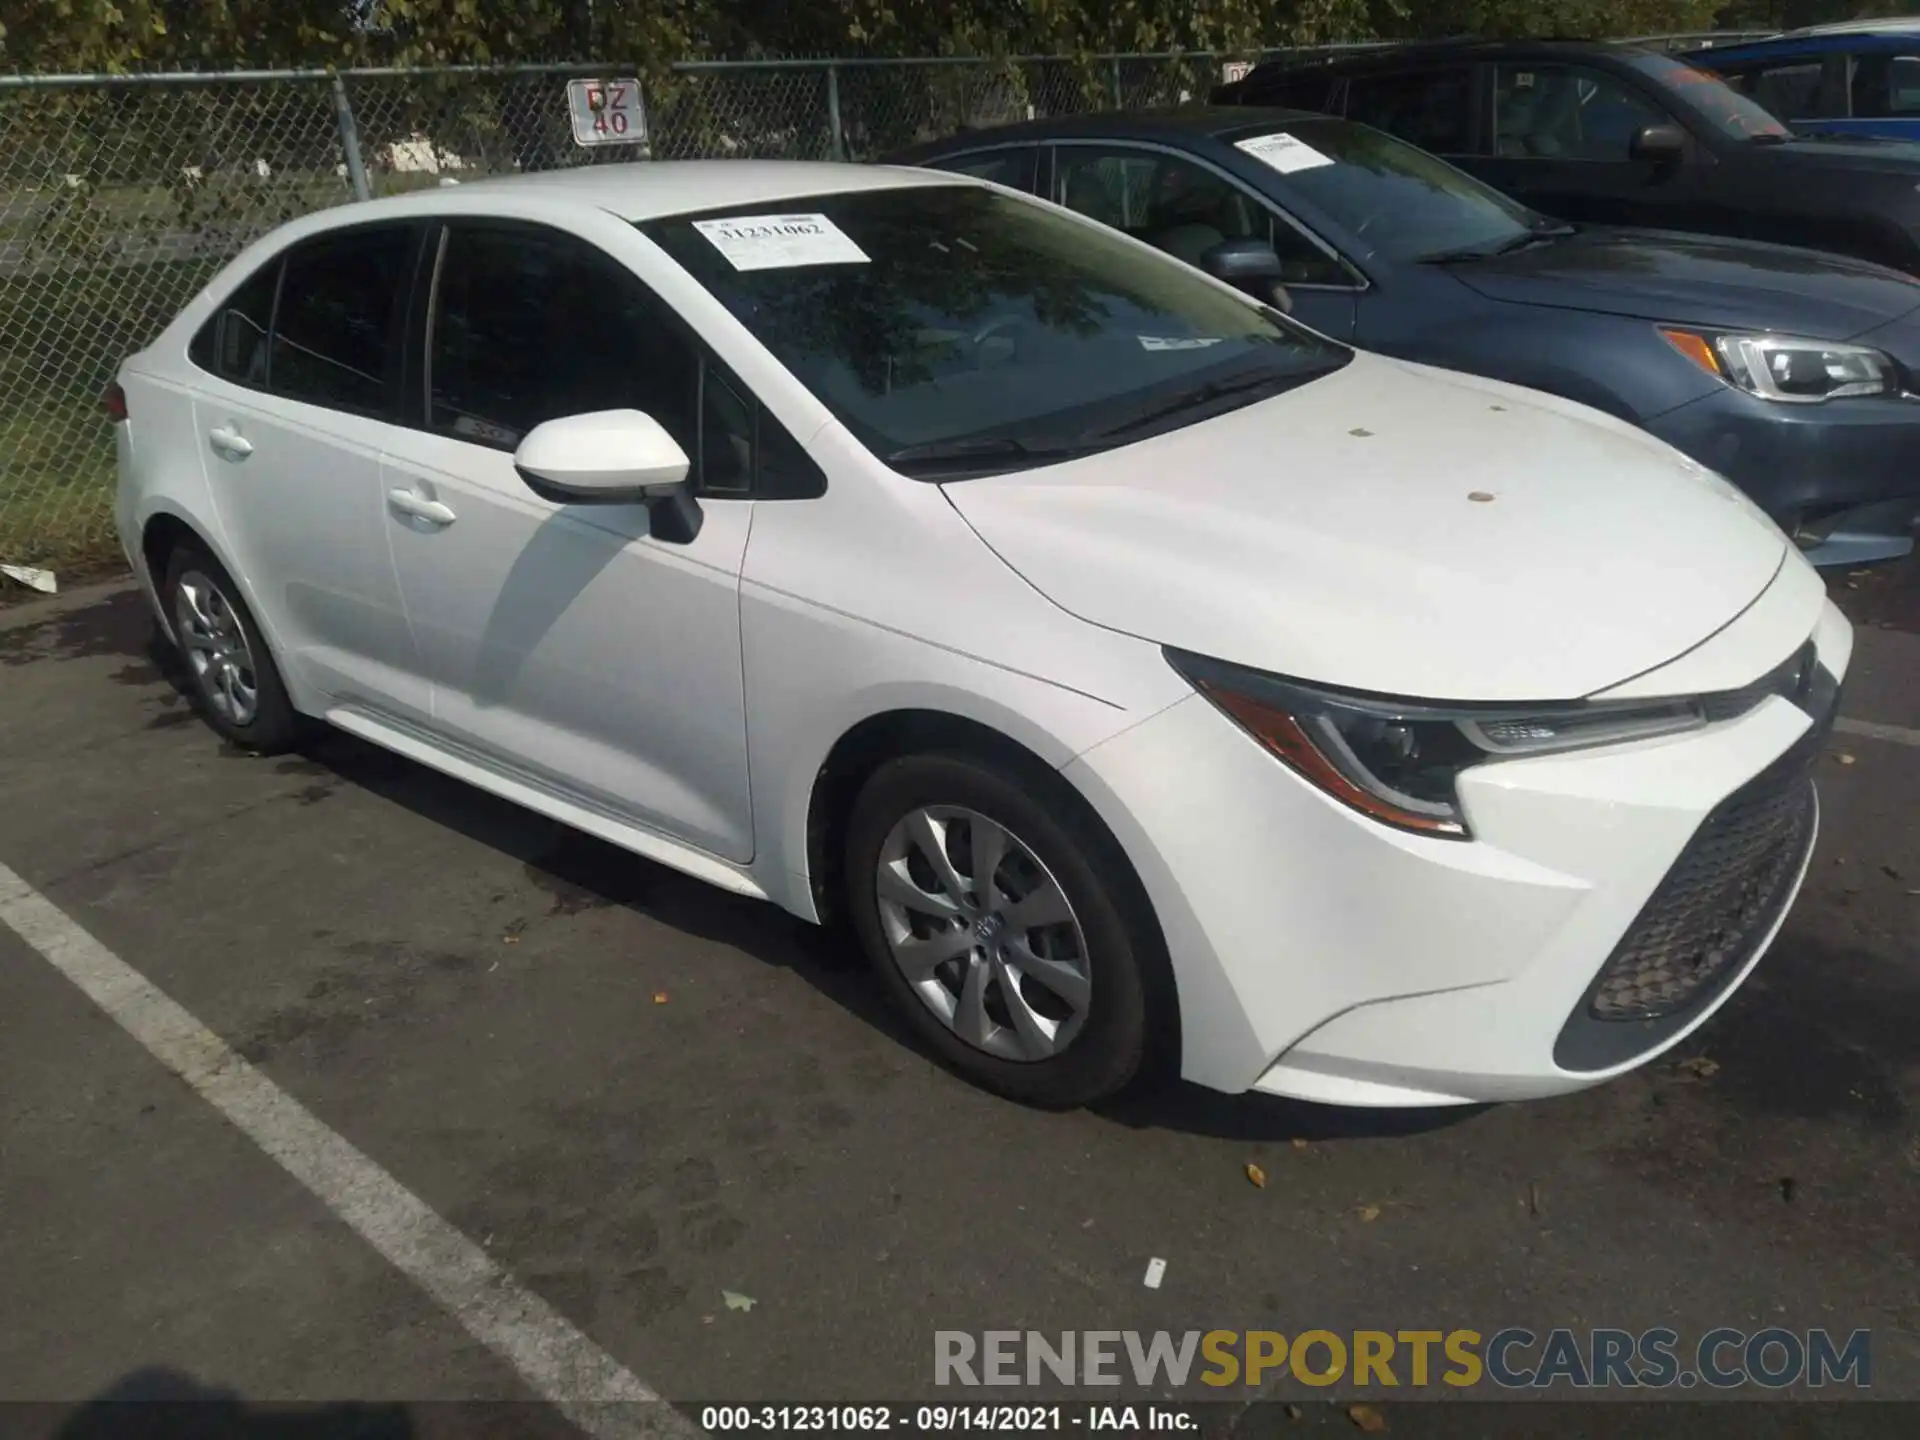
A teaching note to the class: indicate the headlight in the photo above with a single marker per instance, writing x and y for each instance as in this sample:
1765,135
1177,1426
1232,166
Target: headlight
1399,761
1782,367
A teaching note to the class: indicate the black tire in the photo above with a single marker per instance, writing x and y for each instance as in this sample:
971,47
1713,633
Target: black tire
272,726
1123,1038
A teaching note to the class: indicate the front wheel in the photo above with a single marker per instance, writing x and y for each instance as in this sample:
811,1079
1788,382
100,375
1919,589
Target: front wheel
1000,925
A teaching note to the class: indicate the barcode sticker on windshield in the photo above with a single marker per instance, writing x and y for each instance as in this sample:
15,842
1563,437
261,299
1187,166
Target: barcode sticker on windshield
781,242
1284,153
1171,342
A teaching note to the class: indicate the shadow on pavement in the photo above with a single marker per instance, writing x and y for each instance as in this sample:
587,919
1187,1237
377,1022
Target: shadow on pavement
579,872
161,1404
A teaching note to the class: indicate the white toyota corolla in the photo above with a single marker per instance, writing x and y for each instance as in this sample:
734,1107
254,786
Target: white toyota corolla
1152,683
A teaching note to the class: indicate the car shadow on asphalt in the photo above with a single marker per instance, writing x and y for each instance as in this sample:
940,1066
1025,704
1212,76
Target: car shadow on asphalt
578,872
159,1403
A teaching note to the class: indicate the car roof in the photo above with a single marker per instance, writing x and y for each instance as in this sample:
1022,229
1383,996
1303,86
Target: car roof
1885,25
1426,51
1187,122
649,189
1821,41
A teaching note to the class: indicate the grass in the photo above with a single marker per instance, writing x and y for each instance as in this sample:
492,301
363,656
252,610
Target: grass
62,338
56,486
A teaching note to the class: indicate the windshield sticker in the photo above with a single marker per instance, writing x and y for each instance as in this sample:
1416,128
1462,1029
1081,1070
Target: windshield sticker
1167,342
781,242
1284,153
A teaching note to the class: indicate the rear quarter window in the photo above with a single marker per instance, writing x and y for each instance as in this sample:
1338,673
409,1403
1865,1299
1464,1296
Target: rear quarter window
233,344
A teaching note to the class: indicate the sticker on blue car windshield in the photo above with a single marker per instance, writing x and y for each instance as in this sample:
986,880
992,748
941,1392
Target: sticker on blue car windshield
781,242
1170,342
1285,153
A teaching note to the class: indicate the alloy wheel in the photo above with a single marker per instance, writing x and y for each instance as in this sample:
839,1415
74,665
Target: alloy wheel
983,933
216,648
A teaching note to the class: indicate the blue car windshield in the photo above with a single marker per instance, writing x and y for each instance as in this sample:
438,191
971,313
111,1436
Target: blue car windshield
1398,201
950,325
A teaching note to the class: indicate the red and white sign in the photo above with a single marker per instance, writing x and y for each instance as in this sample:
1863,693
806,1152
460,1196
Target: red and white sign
606,112
1235,70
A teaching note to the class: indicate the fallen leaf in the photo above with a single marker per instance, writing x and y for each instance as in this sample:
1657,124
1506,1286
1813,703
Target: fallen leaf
1533,1198
1257,1175
1844,758
706,1319
736,1301
1367,1418
1368,1213
1890,872
1699,1066
659,997
1293,1412
509,939
1298,1143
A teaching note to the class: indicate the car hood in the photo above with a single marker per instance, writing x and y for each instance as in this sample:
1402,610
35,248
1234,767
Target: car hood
1397,529
1697,280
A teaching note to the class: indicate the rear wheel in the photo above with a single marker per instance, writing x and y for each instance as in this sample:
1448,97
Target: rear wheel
998,923
232,677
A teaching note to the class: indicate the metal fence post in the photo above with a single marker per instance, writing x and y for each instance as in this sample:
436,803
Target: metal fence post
836,138
1116,82
350,141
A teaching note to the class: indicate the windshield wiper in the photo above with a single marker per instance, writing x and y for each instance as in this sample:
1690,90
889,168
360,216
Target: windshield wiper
972,449
1549,231
1204,395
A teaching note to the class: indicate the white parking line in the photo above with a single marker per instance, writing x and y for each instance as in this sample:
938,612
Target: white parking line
563,1366
1898,734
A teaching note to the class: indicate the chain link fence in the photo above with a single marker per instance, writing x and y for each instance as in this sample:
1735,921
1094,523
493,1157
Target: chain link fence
121,196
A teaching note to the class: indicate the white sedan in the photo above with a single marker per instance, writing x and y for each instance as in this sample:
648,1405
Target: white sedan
1155,685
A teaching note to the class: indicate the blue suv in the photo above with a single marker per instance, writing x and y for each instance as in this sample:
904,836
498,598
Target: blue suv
1861,78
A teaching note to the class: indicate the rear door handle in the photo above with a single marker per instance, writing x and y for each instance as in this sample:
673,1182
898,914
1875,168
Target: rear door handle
230,443
417,507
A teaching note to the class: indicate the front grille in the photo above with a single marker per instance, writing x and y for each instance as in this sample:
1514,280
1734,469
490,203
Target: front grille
1721,896
1731,884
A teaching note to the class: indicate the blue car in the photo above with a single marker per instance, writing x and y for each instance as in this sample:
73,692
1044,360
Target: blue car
1858,78
1788,371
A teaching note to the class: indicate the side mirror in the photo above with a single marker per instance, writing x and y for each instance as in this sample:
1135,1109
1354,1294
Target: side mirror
612,457
1249,265
1661,144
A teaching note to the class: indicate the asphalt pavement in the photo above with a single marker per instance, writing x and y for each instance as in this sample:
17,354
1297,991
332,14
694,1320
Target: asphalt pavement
687,1129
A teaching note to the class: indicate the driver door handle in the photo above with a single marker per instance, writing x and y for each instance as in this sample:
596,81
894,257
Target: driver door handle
418,507
229,443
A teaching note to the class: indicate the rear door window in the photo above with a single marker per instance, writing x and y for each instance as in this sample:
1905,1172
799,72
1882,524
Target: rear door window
335,330
1886,85
1430,108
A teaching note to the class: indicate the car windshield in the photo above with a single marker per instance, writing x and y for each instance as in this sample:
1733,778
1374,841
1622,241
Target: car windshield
1402,201
1710,98
956,330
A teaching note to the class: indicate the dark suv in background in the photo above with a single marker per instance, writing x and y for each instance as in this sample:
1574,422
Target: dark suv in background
1614,134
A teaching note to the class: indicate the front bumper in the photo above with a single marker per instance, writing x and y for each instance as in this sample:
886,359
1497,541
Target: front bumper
1843,478
1322,956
